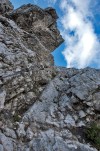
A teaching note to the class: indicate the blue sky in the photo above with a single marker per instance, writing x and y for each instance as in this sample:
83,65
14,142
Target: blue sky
79,24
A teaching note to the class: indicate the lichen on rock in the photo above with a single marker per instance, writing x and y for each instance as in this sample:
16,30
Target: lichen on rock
42,107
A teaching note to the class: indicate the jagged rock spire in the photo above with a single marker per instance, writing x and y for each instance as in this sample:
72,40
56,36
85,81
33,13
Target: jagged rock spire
5,6
42,107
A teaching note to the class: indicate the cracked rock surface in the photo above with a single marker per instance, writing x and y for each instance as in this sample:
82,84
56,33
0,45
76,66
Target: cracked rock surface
42,107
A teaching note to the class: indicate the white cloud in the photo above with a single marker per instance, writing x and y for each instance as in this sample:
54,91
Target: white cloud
82,46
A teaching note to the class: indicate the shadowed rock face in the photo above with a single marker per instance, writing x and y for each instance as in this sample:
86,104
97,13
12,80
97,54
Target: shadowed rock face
40,22
26,62
5,6
42,107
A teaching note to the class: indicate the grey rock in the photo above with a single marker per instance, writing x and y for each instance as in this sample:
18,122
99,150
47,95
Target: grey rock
82,114
80,124
69,120
2,99
6,142
96,103
42,107
41,22
5,6
29,134
10,133
64,102
1,148
21,131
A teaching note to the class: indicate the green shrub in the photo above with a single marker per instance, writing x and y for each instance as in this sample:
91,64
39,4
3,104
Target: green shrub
93,134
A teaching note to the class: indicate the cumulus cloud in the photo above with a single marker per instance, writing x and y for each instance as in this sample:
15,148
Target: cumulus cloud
82,44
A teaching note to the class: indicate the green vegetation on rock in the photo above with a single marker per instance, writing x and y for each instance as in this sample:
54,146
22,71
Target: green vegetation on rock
93,134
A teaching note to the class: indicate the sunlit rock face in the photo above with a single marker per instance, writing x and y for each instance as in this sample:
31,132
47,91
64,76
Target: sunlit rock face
42,107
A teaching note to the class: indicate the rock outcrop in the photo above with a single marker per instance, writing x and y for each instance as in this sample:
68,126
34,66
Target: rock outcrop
5,6
42,107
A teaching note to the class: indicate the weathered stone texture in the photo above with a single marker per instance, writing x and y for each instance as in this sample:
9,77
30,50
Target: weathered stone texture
42,107
5,6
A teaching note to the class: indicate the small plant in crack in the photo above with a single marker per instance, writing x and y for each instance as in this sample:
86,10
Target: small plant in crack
16,118
93,134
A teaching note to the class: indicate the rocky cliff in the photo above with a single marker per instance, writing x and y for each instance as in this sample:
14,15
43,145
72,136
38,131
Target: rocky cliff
42,107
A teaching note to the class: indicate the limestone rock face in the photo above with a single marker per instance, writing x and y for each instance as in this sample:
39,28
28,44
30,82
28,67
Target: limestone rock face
40,22
42,107
5,6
